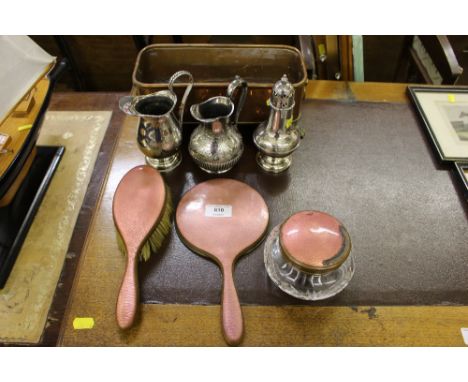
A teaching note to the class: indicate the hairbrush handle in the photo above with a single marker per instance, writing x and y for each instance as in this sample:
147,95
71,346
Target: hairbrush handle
233,326
127,301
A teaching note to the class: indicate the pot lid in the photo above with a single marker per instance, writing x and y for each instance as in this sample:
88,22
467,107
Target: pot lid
315,241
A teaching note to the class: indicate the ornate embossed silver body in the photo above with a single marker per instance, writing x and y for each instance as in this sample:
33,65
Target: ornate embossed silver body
159,134
277,138
216,145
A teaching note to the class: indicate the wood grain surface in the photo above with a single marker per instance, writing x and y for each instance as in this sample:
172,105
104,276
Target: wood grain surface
357,91
101,267
190,325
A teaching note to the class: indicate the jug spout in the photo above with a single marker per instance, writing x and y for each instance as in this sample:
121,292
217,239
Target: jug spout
213,112
125,104
150,106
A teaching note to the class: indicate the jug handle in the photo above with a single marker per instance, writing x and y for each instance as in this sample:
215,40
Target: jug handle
173,78
236,83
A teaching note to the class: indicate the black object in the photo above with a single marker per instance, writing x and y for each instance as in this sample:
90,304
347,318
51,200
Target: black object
10,174
16,218
461,167
76,75
141,41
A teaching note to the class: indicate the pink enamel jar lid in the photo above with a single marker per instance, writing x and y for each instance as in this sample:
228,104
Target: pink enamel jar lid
314,241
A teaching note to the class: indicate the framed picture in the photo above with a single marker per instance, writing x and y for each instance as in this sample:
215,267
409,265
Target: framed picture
444,112
462,170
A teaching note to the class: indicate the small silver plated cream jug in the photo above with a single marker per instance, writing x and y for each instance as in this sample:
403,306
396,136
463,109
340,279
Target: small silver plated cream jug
159,131
277,138
216,144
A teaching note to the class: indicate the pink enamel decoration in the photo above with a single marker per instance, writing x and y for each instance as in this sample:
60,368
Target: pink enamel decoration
223,236
314,240
137,206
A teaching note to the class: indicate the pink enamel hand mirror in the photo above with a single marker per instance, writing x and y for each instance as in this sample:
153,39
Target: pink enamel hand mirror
223,219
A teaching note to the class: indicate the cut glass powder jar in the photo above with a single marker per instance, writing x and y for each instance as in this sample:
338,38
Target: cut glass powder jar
309,256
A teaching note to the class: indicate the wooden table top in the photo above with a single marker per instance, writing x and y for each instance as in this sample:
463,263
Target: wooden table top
278,326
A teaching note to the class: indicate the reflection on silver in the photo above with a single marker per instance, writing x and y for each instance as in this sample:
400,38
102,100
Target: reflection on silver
159,133
216,145
277,138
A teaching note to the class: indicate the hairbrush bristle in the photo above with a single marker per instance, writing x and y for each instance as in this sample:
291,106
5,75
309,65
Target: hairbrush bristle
157,235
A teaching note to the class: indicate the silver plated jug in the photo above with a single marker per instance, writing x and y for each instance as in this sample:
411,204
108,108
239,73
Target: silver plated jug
216,144
277,138
159,133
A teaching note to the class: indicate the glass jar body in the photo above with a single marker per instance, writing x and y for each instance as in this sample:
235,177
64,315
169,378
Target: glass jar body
299,283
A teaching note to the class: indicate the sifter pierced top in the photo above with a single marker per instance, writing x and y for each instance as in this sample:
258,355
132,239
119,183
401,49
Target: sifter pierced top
282,95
